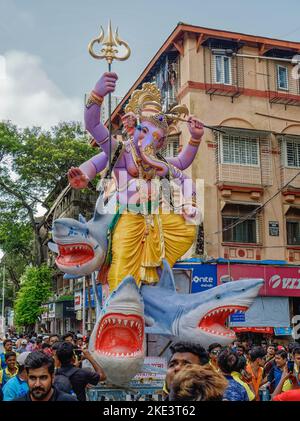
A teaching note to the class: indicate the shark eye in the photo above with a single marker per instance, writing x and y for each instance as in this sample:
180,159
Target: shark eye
72,231
218,297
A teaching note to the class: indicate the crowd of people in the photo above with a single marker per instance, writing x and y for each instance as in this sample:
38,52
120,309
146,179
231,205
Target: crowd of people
47,368
235,373
51,367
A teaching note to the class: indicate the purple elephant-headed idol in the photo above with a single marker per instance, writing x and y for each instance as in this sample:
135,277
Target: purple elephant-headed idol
143,237
143,234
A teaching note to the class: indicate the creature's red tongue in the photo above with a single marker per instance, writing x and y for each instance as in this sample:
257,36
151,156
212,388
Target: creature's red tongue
121,340
120,335
74,254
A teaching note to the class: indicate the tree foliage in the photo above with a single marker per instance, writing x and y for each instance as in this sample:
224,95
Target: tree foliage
32,164
34,291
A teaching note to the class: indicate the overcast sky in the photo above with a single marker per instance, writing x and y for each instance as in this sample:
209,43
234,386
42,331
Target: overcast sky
43,45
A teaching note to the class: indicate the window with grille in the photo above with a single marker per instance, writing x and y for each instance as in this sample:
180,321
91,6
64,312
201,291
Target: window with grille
293,232
223,72
236,228
240,150
282,78
172,148
245,232
292,152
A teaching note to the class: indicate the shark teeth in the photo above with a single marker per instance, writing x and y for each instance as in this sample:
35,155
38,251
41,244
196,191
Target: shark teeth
223,310
121,354
228,333
214,321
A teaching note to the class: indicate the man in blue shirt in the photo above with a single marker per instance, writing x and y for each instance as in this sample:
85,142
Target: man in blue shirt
275,373
17,386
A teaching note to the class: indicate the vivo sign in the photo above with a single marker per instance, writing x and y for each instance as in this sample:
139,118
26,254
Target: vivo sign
279,280
285,283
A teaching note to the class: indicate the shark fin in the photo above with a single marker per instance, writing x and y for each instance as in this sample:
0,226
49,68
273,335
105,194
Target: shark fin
166,278
53,247
81,219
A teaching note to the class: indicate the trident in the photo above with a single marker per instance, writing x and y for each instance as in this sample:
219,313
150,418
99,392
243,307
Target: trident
109,52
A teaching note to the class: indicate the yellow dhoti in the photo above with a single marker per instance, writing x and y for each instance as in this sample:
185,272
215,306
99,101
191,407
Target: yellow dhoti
139,255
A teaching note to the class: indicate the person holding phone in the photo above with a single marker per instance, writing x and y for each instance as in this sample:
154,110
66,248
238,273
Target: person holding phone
290,373
276,373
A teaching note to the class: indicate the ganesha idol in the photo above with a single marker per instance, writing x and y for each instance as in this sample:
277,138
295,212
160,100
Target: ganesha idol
138,240
141,240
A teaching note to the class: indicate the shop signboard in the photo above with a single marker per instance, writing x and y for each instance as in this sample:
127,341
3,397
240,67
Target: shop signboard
92,304
45,308
238,317
77,300
51,310
267,330
68,309
274,228
280,281
282,331
203,276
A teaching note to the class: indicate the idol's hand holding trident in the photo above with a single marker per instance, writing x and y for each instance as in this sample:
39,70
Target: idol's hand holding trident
107,83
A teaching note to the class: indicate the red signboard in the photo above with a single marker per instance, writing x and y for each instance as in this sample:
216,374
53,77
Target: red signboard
77,301
268,330
279,281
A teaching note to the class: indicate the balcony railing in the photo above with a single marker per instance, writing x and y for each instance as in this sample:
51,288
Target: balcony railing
283,86
223,75
245,173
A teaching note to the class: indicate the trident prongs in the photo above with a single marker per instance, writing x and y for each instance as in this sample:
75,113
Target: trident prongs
110,44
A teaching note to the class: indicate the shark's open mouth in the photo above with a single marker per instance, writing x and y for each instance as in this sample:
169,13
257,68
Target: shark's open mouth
214,321
120,335
74,254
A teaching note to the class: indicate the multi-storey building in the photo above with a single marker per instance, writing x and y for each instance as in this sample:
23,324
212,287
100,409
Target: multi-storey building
247,88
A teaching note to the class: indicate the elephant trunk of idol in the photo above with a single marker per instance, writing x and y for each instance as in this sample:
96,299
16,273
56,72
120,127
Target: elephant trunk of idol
147,152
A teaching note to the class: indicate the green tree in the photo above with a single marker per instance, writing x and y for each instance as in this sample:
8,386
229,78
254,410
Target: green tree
32,164
34,291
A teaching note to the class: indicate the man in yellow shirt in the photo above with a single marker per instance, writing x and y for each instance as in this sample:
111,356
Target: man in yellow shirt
11,369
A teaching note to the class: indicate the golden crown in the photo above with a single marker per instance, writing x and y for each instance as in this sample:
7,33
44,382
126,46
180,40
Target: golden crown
146,104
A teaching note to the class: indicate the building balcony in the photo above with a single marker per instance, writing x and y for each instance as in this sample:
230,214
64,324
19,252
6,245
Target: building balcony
285,98
288,174
223,90
243,156
223,75
242,174
283,86
242,251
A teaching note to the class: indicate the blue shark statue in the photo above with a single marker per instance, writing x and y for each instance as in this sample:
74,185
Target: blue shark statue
82,246
198,317
118,339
